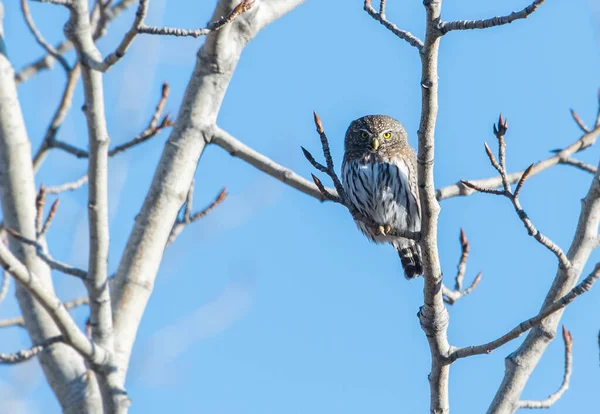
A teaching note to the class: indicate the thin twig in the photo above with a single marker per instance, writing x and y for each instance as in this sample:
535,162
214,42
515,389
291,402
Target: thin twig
40,201
242,7
523,327
553,398
402,34
49,218
451,296
579,122
579,164
40,39
500,131
67,3
70,186
58,118
153,127
462,189
46,62
26,354
446,27
54,264
70,304
188,217
115,56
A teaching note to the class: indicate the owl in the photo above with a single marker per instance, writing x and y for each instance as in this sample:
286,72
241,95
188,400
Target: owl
379,175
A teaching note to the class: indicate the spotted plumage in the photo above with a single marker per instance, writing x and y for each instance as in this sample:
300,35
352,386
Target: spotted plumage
379,174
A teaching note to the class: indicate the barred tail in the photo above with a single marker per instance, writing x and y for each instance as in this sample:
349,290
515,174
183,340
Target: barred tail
410,256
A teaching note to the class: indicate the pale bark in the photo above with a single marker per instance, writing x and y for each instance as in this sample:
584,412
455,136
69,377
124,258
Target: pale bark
194,126
521,363
63,367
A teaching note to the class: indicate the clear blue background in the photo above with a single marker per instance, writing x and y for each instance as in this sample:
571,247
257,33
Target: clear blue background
275,303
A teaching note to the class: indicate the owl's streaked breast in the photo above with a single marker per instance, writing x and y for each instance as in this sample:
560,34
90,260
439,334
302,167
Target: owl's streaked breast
380,191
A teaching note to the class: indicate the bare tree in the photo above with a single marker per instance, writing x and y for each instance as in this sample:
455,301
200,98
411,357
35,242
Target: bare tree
87,368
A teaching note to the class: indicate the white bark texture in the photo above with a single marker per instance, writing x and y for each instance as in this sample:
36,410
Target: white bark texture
64,368
194,127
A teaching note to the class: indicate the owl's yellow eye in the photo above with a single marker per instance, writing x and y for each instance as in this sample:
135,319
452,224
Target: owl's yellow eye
387,135
364,135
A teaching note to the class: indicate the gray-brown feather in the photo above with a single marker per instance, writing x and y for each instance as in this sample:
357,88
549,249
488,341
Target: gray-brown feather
382,183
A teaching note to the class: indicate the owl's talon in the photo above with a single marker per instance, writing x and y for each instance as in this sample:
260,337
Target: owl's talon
381,230
388,228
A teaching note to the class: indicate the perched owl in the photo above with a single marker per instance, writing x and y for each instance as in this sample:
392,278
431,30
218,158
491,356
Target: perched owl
379,174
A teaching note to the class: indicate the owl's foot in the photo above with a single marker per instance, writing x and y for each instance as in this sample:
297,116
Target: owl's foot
384,229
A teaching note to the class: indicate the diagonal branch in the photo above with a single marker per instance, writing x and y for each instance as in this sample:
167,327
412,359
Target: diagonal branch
70,186
402,34
240,150
446,27
26,354
553,398
189,217
72,334
47,61
585,285
70,304
54,264
40,39
242,7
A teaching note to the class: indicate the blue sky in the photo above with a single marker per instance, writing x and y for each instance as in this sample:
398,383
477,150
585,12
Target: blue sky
275,302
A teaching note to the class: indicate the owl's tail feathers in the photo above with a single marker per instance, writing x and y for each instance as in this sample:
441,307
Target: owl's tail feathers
410,256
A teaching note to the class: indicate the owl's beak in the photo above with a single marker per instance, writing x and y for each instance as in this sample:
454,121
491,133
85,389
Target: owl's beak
375,144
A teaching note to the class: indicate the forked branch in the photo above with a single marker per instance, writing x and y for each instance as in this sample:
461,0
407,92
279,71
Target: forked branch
452,295
242,7
499,131
584,286
26,354
553,398
381,18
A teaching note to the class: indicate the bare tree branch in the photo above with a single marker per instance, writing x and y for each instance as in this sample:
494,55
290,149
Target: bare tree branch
585,285
26,354
40,39
70,186
45,256
153,127
72,334
217,59
579,164
446,27
460,189
452,295
67,3
79,31
584,242
18,320
433,315
499,131
579,122
63,367
242,7
402,34
238,149
47,61
59,117
4,286
549,402
189,217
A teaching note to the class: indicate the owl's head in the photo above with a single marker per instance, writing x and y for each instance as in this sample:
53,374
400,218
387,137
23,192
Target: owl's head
379,134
